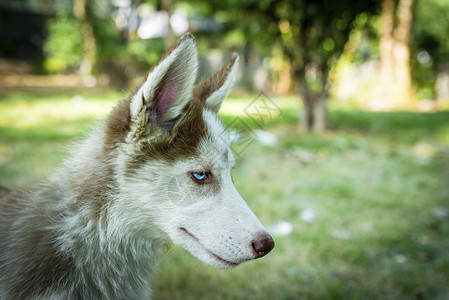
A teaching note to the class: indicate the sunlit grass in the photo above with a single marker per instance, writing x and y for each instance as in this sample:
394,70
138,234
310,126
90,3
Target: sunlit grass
377,183
27,112
36,130
24,115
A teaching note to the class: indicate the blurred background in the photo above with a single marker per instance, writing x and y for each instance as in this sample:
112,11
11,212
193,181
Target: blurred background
344,105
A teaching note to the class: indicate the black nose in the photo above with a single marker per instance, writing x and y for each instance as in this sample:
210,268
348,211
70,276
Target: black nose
262,245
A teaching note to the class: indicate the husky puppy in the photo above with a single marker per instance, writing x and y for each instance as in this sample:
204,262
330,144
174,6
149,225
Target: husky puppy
157,171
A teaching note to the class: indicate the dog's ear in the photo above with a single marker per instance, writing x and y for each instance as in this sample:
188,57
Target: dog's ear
168,86
215,88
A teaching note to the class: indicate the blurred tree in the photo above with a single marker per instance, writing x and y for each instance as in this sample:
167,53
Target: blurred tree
64,45
386,47
89,56
431,62
402,48
166,5
72,36
311,33
395,52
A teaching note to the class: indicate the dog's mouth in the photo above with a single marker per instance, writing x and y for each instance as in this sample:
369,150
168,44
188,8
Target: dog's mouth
213,255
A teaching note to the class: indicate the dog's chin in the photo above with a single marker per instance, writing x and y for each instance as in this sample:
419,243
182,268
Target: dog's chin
195,247
211,259
214,260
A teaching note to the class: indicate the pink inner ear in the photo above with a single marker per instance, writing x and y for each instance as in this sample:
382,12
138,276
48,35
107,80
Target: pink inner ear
163,101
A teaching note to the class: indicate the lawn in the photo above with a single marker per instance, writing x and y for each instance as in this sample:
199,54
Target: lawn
359,212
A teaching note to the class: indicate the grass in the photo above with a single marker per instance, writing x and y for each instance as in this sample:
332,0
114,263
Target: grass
376,182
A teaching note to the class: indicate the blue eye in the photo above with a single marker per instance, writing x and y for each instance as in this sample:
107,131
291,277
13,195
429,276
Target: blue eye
200,177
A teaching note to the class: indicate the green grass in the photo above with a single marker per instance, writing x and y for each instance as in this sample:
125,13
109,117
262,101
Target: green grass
378,183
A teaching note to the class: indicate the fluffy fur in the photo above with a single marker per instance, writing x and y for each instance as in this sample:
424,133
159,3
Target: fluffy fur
96,228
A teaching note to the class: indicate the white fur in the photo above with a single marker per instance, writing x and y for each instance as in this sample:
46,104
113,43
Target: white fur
231,224
222,221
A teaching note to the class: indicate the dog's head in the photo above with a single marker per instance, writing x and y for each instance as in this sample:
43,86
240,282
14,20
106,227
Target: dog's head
174,162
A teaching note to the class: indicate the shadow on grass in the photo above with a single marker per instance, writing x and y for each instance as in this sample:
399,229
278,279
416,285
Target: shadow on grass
408,126
402,124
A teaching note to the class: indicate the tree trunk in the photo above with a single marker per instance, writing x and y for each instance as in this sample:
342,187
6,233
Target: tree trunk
89,57
387,79
442,82
395,78
320,114
307,114
314,113
402,51
307,118
169,36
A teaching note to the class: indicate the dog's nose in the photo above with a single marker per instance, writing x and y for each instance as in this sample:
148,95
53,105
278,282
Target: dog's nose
262,245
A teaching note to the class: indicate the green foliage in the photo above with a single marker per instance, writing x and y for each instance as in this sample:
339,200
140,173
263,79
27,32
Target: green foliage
123,62
147,52
107,36
311,35
64,45
110,46
431,44
431,28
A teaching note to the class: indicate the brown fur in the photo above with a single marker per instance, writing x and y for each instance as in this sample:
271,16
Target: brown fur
209,85
117,125
180,143
119,120
187,132
182,140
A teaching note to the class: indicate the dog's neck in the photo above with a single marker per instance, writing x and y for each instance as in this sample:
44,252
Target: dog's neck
111,253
